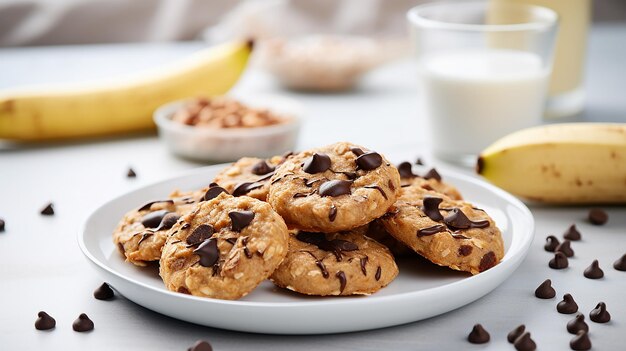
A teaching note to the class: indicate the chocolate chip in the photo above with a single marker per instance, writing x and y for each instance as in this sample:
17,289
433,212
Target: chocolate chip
261,168
240,219
431,230
545,290
600,314
357,151
572,233
525,343
580,341
168,221
369,161
478,335
149,204
380,190
390,185
244,188
431,208
567,305
2,225
565,248
200,234
559,261
594,271
620,264
201,345
44,321
82,323
488,261
577,324
465,250
131,173
406,170
597,216
363,262
48,210
103,292
335,188
433,174
153,219
208,252
213,192
342,281
317,163
458,220
551,243
378,273
515,333
332,213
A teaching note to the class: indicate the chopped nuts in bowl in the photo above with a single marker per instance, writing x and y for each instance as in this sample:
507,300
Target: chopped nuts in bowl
222,129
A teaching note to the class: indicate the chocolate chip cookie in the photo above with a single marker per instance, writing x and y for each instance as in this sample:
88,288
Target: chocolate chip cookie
249,176
141,233
431,180
334,188
346,263
223,248
447,232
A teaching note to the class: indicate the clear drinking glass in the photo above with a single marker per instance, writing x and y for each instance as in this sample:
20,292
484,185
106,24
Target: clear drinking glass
484,69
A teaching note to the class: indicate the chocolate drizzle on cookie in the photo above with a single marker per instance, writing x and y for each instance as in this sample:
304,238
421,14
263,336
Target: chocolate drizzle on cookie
149,204
431,230
342,281
377,188
363,262
153,219
431,208
378,273
336,246
317,163
458,220
319,264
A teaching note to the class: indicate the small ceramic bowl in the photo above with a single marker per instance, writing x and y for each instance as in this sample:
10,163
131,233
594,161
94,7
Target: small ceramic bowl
230,144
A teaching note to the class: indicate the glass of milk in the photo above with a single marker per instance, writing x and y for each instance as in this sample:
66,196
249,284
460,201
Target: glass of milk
482,76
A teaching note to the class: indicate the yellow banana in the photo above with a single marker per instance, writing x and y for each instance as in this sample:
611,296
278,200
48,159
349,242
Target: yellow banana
560,163
125,106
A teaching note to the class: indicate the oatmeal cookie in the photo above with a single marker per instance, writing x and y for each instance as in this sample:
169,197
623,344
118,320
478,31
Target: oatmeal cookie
223,248
335,264
334,188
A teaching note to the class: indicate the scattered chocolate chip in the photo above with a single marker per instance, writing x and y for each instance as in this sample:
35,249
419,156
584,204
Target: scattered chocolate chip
149,204
567,305
131,173
566,248
431,208
580,341
378,273
342,280
594,271
82,323
240,219
406,170
419,161
168,221
48,210
2,225
577,324
213,192
488,261
515,333
200,234
620,264
317,163
363,262
153,219
525,343
600,314
261,168
433,174
572,233
559,261
478,335
458,220
44,321
597,216
332,213
103,292
201,345
208,252
465,250
551,243
545,290
357,151
369,161
431,230
335,188
244,188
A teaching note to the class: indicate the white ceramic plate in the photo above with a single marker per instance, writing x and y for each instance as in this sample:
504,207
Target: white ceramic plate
420,291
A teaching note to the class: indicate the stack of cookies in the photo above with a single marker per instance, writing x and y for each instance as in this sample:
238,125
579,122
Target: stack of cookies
326,221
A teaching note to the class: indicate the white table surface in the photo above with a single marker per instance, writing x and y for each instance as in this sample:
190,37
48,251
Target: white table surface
42,268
